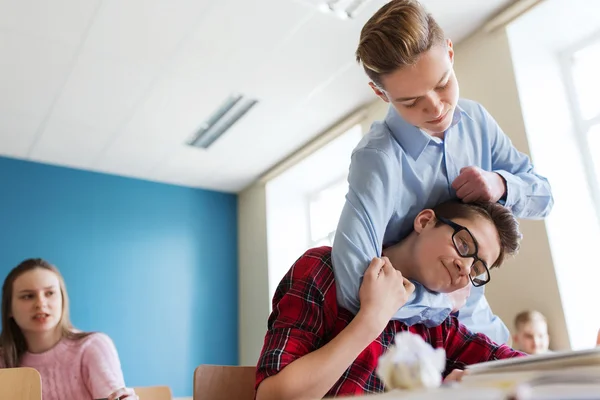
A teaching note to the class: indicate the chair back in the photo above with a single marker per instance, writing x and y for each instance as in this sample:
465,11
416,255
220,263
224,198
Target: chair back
154,393
221,382
20,384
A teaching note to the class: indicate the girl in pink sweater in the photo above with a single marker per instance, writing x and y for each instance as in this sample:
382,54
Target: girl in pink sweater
37,333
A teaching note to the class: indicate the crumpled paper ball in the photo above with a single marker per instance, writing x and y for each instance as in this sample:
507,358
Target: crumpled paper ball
411,363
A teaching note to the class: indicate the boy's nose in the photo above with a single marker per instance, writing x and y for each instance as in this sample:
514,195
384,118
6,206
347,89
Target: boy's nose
434,105
438,108
463,265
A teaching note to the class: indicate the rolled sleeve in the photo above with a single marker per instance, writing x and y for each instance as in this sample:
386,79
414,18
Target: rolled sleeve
373,191
528,194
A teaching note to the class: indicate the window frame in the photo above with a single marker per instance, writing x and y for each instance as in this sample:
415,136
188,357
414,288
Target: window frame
581,125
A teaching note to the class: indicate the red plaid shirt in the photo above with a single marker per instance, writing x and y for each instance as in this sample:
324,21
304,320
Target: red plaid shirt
306,316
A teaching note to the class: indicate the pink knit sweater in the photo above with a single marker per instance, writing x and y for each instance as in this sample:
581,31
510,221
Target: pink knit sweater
86,369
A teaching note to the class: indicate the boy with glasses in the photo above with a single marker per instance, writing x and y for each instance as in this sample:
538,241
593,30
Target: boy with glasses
315,348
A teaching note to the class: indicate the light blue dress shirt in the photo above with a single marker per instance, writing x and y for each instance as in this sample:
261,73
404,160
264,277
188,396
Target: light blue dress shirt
397,171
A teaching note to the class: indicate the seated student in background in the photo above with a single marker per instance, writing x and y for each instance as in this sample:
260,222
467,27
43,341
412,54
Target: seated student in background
314,348
531,332
37,333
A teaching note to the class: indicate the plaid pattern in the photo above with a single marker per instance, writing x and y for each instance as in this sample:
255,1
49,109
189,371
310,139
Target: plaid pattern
306,316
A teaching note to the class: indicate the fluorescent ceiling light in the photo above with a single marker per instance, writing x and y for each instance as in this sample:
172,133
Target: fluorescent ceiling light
232,109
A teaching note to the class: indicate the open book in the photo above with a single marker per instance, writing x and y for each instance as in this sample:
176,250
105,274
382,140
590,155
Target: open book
540,362
564,375
560,375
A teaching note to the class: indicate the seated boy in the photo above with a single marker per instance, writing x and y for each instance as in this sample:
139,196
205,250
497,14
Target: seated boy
531,335
314,348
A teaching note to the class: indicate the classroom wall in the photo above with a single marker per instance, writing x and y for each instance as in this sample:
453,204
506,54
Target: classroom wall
152,265
253,272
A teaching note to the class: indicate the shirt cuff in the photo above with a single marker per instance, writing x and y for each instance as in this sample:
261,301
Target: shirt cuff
512,188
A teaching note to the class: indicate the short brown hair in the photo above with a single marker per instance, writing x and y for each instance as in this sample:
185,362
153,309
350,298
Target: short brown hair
395,36
504,220
527,316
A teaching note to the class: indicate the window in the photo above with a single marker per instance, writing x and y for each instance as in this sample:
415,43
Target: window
324,209
594,146
583,65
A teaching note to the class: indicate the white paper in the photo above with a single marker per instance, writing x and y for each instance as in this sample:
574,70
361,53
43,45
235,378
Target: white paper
411,363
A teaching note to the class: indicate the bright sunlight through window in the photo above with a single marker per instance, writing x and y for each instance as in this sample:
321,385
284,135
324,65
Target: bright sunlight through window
584,68
586,64
325,208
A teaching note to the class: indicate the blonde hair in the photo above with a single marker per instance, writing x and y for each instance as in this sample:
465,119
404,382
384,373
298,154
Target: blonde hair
12,340
528,316
395,36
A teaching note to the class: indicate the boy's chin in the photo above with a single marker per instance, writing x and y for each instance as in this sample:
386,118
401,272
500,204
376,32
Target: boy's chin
437,287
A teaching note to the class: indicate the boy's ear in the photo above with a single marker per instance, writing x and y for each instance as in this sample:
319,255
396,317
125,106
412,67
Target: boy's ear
423,219
379,92
450,50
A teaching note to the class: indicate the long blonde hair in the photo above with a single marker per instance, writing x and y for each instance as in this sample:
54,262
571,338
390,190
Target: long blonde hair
12,340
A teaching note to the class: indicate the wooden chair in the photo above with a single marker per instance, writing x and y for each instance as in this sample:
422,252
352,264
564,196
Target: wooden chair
154,393
20,384
219,382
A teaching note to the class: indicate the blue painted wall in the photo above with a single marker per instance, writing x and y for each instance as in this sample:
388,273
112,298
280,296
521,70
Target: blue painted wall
152,265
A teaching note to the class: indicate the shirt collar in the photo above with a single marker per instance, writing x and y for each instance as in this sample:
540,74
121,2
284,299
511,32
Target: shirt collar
412,139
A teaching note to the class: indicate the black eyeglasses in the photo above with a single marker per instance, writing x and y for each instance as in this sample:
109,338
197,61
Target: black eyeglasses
466,246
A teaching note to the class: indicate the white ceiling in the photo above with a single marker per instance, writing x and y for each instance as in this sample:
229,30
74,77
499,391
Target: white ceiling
118,86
